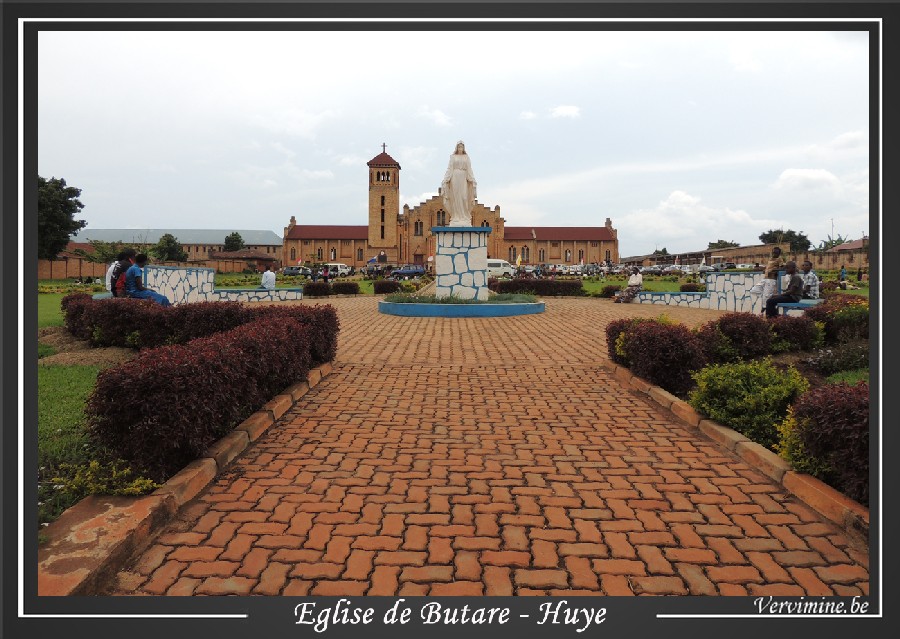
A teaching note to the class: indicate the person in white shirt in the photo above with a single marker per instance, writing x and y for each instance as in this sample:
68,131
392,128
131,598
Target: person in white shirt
268,279
635,284
810,282
109,271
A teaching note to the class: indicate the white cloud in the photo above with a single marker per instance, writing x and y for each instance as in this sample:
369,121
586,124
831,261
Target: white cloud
294,122
437,116
415,200
351,160
527,115
807,179
565,111
414,157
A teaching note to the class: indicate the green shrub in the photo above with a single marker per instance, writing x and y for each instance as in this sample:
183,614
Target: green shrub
96,478
750,397
615,338
833,429
692,287
790,448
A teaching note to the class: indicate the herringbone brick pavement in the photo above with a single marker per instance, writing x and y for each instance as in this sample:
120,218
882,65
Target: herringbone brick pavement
491,457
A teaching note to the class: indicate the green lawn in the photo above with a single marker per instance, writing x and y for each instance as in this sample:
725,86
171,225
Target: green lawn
62,439
49,312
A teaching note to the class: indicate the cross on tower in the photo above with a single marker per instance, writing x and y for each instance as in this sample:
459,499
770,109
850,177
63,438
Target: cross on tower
383,147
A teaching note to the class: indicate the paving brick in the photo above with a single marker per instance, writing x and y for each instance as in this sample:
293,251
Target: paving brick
361,492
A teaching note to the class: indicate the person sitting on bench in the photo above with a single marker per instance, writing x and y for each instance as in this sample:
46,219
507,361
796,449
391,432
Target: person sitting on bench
790,295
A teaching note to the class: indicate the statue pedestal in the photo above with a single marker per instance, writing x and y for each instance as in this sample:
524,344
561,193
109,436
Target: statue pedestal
460,262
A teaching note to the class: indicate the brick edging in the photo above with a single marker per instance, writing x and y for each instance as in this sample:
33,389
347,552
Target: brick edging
825,500
92,540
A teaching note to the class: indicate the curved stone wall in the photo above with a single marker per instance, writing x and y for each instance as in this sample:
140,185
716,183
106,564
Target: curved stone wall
183,285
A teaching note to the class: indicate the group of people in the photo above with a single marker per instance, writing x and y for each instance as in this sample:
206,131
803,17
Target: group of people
125,278
802,285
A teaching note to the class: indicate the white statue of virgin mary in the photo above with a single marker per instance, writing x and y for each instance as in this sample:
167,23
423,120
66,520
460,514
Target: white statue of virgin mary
458,188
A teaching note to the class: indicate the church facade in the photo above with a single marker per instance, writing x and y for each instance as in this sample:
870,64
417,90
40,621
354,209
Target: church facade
403,236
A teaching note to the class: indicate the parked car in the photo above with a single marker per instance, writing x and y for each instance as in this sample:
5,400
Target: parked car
672,270
408,271
705,268
500,268
339,268
296,270
651,270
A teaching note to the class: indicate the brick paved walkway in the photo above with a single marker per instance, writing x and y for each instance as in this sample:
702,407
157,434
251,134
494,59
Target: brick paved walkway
491,457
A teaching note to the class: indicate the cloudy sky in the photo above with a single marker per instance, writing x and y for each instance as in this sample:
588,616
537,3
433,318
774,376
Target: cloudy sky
680,137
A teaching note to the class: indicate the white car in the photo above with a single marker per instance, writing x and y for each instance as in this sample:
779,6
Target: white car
500,268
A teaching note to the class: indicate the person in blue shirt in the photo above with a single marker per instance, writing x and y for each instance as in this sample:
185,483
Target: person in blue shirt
843,274
134,283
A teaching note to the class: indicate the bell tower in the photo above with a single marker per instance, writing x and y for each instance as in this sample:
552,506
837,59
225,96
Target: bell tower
384,204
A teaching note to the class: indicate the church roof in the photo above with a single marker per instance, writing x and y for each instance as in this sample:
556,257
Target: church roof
383,159
326,232
558,233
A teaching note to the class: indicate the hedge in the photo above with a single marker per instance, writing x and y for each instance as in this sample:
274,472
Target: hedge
163,409
548,288
142,324
345,288
316,289
385,287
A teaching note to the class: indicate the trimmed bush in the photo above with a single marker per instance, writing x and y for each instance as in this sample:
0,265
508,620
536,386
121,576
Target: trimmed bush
736,336
664,354
385,287
833,429
345,288
321,322
199,319
615,338
547,288
316,289
848,356
74,306
845,317
795,333
126,322
610,290
750,397
162,410
691,287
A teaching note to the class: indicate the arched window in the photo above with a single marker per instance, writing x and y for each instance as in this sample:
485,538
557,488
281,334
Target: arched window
441,218
512,254
607,256
541,256
333,253
359,255
419,227
580,255
293,254
319,253
568,255
484,223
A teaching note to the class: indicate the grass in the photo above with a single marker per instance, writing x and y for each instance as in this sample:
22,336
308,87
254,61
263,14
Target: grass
49,313
45,351
62,439
850,377
653,286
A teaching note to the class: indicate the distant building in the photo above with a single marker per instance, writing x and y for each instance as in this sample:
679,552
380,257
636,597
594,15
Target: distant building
199,244
393,236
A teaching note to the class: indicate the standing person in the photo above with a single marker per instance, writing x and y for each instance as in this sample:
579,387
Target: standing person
810,282
843,274
325,273
117,277
109,272
859,274
792,293
268,278
767,286
635,284
134,283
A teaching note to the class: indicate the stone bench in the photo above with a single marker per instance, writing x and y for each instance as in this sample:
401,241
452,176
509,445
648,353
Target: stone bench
802,305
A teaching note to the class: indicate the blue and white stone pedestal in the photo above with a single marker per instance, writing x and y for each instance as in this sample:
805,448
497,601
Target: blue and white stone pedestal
460,263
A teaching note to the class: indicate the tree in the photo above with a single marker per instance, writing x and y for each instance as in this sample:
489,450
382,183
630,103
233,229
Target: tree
168,249
233,242
721,244
57,206
661,251
831,242
102,253
797,241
